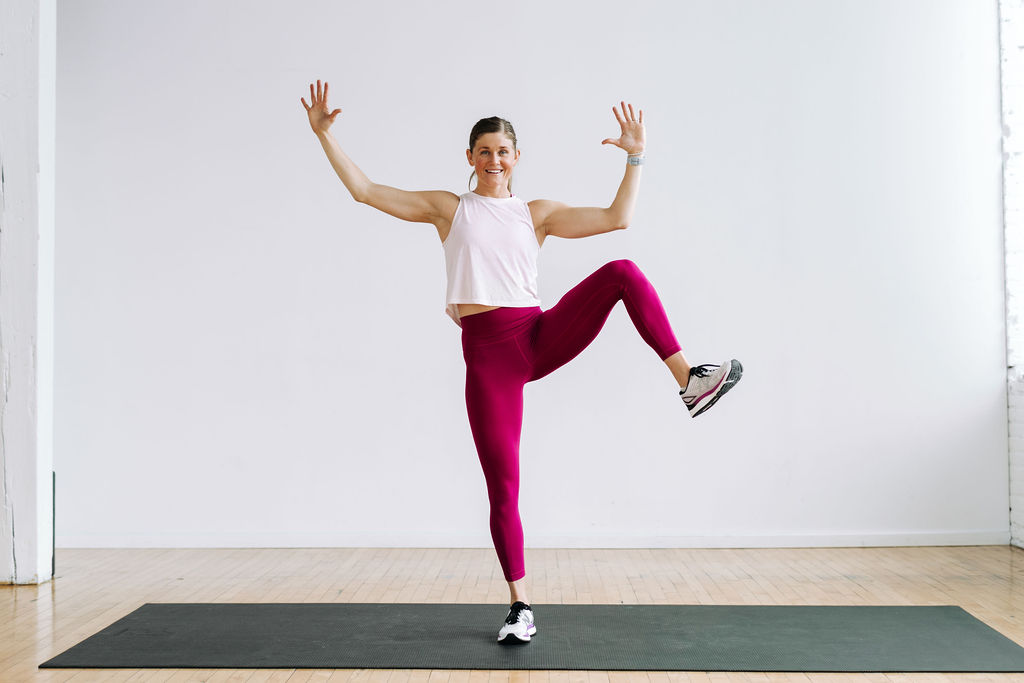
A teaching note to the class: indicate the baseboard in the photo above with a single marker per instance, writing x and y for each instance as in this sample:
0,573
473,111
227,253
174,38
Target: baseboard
576,540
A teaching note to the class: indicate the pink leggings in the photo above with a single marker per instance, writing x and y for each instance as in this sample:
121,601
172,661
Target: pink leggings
507,347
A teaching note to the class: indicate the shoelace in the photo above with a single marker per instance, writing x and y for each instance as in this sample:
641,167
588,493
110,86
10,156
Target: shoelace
513,615
701,371
704,370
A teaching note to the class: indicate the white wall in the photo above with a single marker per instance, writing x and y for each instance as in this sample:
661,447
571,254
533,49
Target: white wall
245,356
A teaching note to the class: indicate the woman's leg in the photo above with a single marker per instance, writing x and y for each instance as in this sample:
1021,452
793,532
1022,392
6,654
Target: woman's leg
680,368
564,330
517,592
495,375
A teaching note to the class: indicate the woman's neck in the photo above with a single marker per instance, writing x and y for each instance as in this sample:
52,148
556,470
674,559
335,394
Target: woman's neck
496,193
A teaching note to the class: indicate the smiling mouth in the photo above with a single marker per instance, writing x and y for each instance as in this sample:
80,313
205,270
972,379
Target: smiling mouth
493,172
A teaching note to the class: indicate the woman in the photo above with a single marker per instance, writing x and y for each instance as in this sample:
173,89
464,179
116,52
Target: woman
491,239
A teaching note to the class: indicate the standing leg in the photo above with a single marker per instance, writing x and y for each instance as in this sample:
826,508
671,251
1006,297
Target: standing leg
495,375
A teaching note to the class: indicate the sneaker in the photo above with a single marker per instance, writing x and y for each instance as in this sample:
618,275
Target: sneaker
707,383
518,624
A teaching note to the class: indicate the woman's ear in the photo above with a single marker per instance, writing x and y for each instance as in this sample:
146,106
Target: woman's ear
469,156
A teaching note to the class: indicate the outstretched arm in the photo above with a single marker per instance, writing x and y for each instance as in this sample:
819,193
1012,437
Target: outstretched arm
418,207
562,220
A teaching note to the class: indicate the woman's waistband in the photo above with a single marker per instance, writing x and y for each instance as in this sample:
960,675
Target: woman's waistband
497,324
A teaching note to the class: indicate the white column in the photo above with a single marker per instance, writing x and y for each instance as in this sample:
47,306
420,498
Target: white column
1011,40
28,77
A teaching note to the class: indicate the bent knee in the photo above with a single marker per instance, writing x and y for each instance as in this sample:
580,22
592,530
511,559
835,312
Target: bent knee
624,268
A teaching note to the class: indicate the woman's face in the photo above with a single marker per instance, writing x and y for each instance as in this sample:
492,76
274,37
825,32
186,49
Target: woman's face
493,157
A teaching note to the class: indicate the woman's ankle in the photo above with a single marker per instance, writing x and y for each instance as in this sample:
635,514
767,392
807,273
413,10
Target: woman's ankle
517,591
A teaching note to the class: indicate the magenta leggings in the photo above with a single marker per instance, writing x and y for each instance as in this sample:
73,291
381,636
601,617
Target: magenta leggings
507,347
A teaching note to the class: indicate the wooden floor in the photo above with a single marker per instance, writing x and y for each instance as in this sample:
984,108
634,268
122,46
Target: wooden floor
94,588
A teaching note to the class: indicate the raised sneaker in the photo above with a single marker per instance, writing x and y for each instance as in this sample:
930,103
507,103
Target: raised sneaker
708,383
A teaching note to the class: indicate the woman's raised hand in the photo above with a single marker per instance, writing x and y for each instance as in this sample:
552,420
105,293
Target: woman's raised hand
632,139
319,119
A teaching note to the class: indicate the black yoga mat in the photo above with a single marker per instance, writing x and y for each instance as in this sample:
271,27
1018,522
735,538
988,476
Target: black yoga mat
596,637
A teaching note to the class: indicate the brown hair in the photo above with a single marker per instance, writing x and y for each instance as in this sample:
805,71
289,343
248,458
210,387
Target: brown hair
493,124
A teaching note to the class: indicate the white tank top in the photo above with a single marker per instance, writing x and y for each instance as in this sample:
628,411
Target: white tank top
491,254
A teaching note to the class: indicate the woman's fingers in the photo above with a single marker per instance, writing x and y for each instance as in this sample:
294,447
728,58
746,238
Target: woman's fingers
631,120
318,96
628,115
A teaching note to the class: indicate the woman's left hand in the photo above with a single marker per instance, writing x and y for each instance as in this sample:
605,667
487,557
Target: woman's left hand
632,139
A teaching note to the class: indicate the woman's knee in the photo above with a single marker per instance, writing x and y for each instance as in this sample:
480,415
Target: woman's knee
502,485
623,269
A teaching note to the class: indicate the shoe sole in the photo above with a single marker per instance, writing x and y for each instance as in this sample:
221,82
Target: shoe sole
515,637
735,372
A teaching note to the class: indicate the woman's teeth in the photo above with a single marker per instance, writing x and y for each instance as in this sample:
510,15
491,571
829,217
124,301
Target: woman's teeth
493,172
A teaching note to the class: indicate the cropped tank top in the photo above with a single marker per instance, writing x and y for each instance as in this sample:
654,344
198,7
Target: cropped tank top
491,254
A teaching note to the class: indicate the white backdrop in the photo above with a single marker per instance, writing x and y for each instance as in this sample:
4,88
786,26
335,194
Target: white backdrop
247,357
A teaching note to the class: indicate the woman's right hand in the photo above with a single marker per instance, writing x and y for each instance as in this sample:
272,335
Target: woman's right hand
319,119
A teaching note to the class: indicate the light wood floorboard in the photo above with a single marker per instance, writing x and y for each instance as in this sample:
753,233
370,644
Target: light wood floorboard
95,587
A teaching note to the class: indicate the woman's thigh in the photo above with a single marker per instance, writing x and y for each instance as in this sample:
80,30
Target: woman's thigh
495,375
563,331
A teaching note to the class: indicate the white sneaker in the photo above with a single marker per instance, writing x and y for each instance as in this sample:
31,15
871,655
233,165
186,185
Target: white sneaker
707,383
518,624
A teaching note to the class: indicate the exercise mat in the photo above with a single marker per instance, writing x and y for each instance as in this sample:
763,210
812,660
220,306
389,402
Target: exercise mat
593,637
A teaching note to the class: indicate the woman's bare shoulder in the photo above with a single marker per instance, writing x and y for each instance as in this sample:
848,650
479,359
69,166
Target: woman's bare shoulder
540,209
444,204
